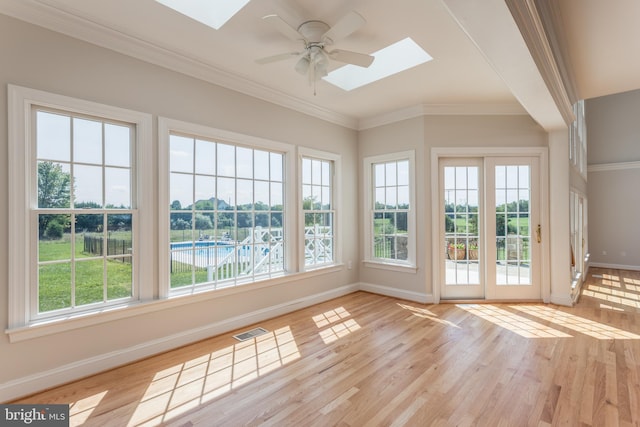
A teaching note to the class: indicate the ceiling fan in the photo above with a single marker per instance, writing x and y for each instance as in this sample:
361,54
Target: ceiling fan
316,35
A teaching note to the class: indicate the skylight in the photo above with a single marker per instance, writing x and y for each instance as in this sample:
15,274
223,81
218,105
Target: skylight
214,13
388,61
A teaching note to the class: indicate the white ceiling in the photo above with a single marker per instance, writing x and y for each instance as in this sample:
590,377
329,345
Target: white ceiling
483,68
602,42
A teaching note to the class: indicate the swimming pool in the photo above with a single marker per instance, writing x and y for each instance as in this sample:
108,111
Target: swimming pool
207,249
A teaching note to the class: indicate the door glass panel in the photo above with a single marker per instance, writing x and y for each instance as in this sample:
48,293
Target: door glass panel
462,237
513,225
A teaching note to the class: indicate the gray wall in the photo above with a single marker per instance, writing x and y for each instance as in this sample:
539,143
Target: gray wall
613,128
613,135
40,59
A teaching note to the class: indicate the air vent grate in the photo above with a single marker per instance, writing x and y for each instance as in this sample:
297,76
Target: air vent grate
250,334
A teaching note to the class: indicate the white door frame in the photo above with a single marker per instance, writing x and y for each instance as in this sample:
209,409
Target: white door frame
440,152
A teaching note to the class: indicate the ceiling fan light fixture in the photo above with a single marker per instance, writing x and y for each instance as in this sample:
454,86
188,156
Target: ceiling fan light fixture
302,66
316,35
320,63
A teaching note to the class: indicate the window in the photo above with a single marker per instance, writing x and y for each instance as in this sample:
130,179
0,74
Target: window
393,59
75,186
84,211
226,221
390,220
214,13
578,139
578,225
318,207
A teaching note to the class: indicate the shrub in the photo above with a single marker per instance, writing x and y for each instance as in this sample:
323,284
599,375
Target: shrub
54,230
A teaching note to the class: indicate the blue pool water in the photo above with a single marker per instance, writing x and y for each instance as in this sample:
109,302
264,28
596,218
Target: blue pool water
205,248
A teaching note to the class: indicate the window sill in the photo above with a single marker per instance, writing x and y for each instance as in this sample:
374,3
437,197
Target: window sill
326,268
403,268
82,320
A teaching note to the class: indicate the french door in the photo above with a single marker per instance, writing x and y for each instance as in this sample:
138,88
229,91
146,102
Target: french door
489,228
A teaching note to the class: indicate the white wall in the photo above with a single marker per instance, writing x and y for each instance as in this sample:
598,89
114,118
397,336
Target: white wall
613,132
41,59
559,233
421,134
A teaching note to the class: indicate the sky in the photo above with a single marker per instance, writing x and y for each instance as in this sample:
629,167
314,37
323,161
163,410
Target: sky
93,147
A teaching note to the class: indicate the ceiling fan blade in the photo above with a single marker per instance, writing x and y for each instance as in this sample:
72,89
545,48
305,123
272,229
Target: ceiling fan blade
348,57
284,28
345,26
278,57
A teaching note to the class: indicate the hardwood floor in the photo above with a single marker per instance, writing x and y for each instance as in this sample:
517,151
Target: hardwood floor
368,360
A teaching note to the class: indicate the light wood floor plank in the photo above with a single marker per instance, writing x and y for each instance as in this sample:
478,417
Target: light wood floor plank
370,360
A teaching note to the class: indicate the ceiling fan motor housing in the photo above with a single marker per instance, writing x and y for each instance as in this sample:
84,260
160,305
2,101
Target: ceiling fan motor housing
313,31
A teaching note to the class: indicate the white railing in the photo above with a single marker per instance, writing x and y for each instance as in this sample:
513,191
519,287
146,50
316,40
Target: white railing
318,244
262,251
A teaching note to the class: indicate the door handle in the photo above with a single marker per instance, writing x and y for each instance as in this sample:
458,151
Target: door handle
539,233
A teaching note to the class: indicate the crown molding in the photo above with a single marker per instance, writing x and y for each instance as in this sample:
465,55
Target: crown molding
529,21
604,167
44,15
551,18
512,109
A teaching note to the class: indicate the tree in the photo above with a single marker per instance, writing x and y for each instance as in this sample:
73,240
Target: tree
180,224
54,191
204,205
450,225
54,230
203,222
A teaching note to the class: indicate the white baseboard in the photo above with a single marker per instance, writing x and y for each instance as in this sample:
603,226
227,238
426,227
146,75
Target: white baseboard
73,371
397,293
615,266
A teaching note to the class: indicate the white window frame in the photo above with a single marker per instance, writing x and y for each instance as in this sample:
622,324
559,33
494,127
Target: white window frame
578,226
166,127
578,140
23,234
369,260
336,196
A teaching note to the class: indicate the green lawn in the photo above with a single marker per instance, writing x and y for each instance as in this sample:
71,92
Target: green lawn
54,280
522,222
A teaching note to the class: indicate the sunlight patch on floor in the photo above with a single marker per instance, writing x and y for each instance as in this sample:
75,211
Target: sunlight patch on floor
632,284
608,296
185,386
610,307
340,330
611,280
80,411
331,316
520,325
576,323
623,293
426,314
339,326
